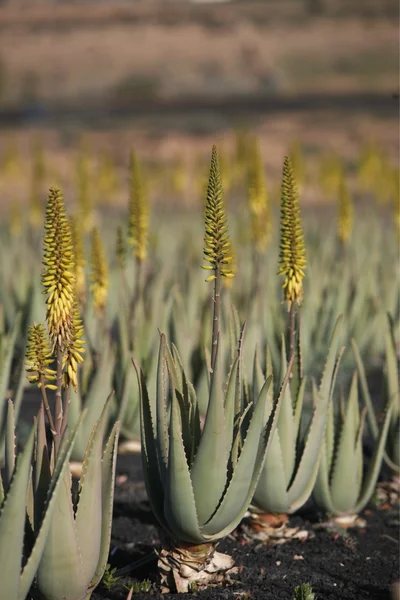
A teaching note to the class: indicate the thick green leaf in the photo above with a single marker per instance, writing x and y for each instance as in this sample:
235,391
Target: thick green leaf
179,502
12,524
107,497
57,485
344,489
210,462
151,469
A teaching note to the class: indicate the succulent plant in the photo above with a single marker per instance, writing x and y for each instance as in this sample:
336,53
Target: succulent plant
179,463
341,488
20,557
75,554
291,465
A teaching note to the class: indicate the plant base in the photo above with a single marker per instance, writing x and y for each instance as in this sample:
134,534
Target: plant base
187,568
271,528
342,522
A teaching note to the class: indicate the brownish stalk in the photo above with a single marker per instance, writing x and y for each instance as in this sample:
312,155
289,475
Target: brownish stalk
216,316
58,395
292,331
67,402
46,406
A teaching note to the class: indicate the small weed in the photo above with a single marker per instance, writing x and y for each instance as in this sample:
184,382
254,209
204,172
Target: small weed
138,586
303,592
109,580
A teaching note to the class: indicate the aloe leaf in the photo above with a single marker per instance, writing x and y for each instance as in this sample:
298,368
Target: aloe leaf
10,340
107,495
258,375
285,422
109,461
50,510
9,445
12,524
344,490
206,466
41,471
60,572
151,467
129,407
246,473
89,508
271,495
364,388
230,403
321,491
179,501
299,405
375,464
161,408
93,402
306,473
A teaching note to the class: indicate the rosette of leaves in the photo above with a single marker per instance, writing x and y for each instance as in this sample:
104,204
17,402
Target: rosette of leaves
21,552
76,550
392,395
342,489
291,465
197,499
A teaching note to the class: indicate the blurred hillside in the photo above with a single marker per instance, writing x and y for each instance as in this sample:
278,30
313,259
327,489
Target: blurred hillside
117,54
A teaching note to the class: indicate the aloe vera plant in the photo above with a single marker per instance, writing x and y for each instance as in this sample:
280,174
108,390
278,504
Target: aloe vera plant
19,557
341,488
291,465
196,498
76,551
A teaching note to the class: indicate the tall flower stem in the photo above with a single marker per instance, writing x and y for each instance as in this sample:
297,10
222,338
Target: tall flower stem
217,250
216,316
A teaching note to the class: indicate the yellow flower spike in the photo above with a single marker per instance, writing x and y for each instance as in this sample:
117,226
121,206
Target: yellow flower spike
57,277
73,355
258,200
292,251
138,232
99,274
79,263
217,243
346,213
39,357
120,249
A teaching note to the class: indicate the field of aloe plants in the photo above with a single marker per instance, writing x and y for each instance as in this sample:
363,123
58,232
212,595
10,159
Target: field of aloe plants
215,383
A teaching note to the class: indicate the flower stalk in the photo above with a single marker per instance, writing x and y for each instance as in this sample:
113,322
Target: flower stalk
63,321
217,250
292,250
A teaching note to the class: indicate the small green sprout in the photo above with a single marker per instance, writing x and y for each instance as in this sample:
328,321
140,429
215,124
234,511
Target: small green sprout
138,586
109,579
303,592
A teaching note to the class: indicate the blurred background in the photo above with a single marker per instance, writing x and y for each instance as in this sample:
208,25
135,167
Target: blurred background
171,77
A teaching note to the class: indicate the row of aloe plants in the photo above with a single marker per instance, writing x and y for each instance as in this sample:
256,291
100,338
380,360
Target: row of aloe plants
270,460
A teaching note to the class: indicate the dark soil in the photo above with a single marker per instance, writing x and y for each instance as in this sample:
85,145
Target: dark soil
360,565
